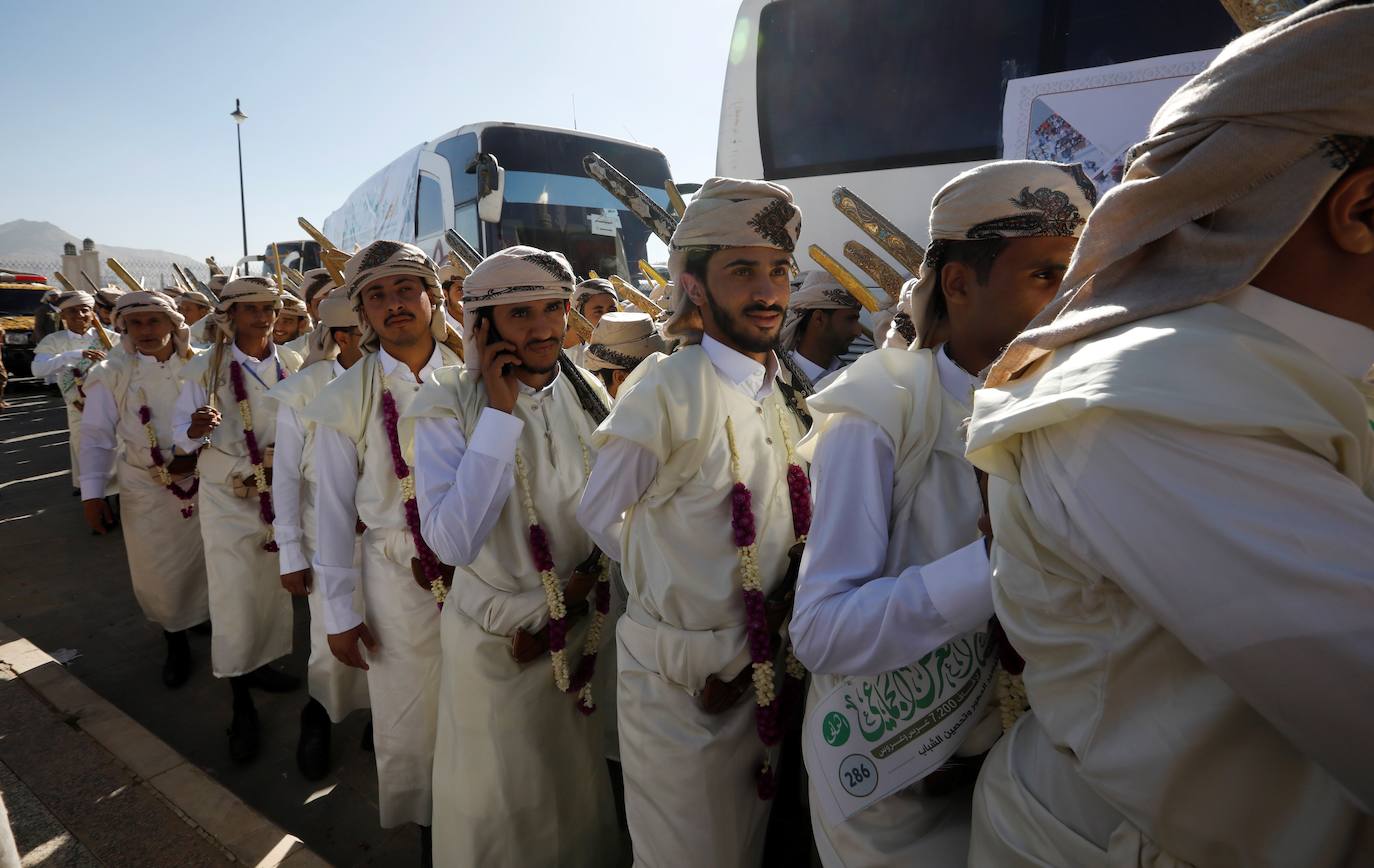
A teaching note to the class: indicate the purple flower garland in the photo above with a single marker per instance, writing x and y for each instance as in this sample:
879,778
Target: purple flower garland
145,417
265,511
429,562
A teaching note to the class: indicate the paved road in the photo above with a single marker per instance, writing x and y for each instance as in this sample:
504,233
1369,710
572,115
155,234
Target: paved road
63,588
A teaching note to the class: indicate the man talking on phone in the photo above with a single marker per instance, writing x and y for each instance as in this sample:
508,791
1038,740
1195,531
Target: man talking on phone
503,451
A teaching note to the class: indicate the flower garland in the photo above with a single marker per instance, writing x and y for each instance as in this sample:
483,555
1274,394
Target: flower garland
542,555
429,562
767,710
260,483
164,476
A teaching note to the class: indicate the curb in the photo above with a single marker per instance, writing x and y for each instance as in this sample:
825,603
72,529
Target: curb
237,829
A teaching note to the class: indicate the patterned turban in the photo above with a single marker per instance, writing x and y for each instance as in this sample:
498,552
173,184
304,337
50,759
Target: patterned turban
384,259
727,212
1005,199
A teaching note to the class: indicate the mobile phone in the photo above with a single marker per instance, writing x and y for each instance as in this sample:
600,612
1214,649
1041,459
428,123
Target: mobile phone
493,334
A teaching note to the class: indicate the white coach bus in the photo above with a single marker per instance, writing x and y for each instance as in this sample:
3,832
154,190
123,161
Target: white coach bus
502,184
892,98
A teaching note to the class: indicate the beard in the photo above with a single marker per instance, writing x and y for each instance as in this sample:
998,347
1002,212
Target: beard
737,333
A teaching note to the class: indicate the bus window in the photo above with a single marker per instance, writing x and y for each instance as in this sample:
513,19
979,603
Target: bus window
896,82
465,222
1098,34
876,84
429,208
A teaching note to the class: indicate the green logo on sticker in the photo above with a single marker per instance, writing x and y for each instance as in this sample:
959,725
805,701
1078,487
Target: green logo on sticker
835,728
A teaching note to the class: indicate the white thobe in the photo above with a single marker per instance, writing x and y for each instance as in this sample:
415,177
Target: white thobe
867,599
251,611
340,688
519,773
1187,573
356,480
689,776
163,545
57,354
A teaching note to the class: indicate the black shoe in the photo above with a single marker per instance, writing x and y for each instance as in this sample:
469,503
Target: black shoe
426,847
201,629
367,738
312,751
243,735
177,667
271,680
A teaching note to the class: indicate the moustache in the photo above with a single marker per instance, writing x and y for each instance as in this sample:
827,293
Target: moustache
765,308
399,317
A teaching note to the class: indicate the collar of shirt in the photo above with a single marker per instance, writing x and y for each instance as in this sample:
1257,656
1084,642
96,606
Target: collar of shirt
539,394
256,364
1346,346
390,363
338,368
958,382
739,370
813,371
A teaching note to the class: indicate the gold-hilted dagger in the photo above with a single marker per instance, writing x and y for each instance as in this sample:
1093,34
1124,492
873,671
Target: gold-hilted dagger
845,278
332,257
874,266
896,242
580,324
635,297
675,198
651,274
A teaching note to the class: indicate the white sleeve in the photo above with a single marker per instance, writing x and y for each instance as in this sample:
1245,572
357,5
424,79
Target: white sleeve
336,527
622,474
1257,555
51,364
287,455
848,618
189,399
98,441
461,487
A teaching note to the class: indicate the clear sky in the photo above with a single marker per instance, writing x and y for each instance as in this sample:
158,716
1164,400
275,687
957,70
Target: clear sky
116,114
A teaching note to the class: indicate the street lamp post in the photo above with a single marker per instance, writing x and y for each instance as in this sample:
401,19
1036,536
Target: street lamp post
239,117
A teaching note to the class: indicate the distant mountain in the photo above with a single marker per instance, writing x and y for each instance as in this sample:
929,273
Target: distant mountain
36,246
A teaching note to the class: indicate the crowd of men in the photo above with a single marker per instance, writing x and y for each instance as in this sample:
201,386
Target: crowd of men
1127,460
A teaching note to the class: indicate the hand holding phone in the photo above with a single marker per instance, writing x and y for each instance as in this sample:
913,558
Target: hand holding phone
498,362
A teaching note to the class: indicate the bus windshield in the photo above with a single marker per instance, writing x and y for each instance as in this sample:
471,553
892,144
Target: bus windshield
551,204
877,84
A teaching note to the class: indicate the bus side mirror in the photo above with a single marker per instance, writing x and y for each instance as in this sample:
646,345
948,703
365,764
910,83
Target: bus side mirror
491,187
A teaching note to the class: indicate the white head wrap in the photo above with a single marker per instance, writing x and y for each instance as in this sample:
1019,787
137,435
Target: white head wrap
336,312
316,280
292,306
514,275
382,259
107,296
248,290
149,301
1235,161
727,212
1005,199
621,341
589,288
75,298
818,291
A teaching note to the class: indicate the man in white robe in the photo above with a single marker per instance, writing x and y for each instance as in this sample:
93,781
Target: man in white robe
695,428
65,356
1182,482
127,428
504,444
895,569
223,397
335,689
822,321
393,290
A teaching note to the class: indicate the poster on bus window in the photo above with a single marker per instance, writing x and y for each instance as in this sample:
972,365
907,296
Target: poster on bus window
1092,116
